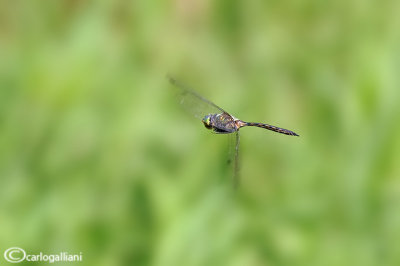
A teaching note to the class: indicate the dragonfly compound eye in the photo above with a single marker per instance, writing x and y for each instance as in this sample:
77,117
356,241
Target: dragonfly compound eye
207,121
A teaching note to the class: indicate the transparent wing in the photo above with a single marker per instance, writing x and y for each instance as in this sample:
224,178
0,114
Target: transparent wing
194,103
233,160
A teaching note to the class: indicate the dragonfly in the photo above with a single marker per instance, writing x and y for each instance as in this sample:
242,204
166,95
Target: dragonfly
219,121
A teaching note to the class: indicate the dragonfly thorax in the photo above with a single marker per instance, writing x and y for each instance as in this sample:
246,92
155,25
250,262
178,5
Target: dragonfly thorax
220,123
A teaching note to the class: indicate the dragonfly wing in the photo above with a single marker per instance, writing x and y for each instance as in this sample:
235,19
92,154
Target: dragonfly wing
194,103
234,141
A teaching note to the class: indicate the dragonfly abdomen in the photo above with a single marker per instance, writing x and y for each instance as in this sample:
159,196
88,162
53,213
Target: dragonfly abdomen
272,128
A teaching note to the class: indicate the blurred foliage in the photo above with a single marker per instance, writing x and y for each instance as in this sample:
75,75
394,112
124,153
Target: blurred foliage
97,157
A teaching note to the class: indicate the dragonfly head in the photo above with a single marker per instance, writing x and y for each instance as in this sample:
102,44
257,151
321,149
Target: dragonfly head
207,121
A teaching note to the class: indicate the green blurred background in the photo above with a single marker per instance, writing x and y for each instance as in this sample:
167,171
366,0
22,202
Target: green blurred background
97,157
